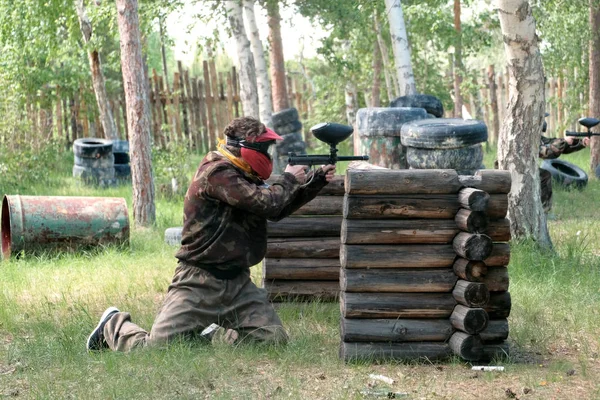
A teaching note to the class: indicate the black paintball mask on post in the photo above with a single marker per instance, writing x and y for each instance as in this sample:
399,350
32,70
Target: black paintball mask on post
262,147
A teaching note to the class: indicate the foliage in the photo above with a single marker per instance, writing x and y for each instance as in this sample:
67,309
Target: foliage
171,167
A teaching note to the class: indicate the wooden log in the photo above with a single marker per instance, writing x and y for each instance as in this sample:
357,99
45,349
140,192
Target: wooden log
395,330
414,206
497,206
494,351
492,181
386,231
370,352
335,187
304,226
472,271
280,290
318,269
468,319
322,205
394,182
499,305
203,116
471,294
496,331
396,305
303,248
436,280
496,279
469,347
177,106
500,255
396,256
471,221
473,199
184,96
472,246
499,230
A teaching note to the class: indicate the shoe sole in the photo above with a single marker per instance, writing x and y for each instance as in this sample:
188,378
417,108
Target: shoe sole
104,316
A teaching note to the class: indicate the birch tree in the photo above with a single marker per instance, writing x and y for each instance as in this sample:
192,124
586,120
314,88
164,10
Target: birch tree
520,135
265,105
106,117
401,48
247,73
594,68
138,112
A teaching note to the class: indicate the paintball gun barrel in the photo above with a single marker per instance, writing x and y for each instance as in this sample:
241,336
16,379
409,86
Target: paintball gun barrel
332,134
589,123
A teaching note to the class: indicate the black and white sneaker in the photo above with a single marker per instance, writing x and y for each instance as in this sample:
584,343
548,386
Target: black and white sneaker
96,340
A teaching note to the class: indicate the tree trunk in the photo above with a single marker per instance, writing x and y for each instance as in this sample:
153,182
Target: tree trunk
138,116
376,88
265,105
404,72
458,69
386,59
108,122
595,79
163,52
247,73
520,134
351,103
279,88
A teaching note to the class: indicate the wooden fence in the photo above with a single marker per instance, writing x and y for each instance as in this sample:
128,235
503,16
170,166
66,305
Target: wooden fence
190,109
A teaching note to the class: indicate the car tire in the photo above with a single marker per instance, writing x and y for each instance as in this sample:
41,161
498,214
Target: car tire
380,121
466,160
285,117
430,103
92,147
292,127
173,236
566,174
443,133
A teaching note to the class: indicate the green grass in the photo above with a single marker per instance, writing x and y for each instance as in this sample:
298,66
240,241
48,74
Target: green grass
49,303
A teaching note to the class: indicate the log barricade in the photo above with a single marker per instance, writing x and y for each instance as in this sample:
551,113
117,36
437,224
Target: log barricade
424,265
302,261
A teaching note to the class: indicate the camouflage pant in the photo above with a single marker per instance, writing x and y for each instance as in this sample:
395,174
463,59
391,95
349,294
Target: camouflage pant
546,189
195,300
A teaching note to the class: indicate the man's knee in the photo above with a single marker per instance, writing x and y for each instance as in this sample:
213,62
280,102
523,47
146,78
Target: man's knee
272,335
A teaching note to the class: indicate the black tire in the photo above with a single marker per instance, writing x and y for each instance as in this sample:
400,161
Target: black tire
108,161
122,171
173,236
120,146
92,147
95,176
443,133
467,160
284,117
121,158
379,121
430,103
566,174
292,127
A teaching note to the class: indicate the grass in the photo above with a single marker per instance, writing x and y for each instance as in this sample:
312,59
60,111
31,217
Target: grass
49,303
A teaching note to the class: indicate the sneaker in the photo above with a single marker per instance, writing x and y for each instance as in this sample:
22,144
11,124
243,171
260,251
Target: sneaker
96,340
216,334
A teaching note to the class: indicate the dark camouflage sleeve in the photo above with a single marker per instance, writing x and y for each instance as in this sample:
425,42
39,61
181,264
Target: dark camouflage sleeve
229,186
552,148
576,146
304,194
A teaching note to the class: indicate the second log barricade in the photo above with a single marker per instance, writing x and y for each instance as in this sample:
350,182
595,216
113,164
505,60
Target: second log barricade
419,277
302,261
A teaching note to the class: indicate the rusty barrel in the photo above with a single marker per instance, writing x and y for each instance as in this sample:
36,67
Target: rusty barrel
379,131
49,222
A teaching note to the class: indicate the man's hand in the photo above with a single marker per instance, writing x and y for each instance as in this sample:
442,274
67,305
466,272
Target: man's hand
298,171
585,141
329,172
570,140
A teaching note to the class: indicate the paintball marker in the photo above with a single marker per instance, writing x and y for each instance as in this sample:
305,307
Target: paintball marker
589,123
332,134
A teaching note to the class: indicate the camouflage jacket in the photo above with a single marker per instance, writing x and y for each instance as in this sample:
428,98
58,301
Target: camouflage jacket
226,211
551,148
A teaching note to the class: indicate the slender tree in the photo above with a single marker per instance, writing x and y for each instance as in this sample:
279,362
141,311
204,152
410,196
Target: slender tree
106,117
263,85
385,58
277,65
458,64
401,48
138,112
594,61
520,134
247,73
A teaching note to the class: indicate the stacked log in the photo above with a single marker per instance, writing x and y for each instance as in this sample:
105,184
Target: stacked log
302,261
396,257
480,317
423,259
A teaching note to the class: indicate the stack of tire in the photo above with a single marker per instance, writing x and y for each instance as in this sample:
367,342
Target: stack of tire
121,155
287,125
94,163
441,143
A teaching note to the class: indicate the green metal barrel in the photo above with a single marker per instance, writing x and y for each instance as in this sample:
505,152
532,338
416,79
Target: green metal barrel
42,222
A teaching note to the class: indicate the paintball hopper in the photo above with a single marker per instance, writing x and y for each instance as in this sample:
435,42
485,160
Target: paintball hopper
331,133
